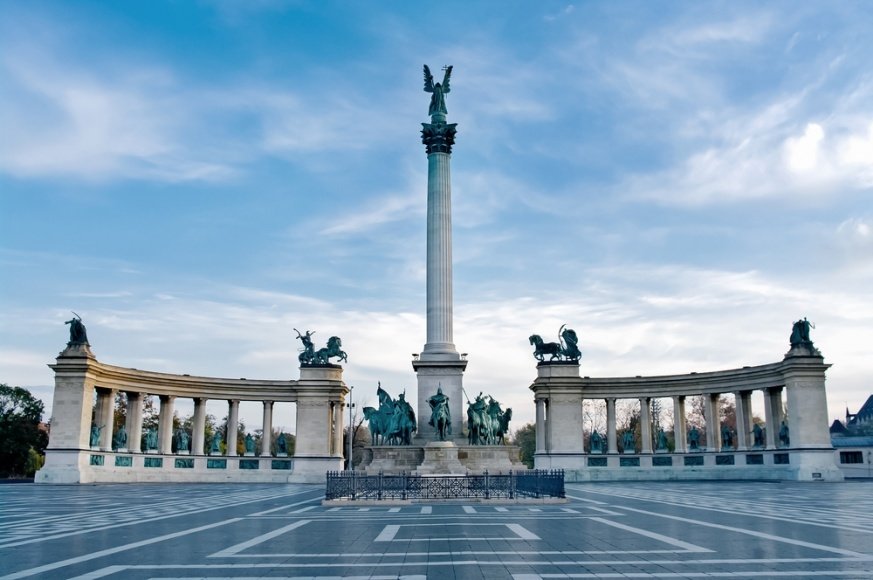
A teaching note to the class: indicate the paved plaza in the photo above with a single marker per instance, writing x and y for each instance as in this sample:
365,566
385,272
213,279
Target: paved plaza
641,530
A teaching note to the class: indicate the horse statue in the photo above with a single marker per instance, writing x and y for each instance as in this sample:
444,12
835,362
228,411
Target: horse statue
502,428
377,424
440,414
323,355
543,348
478,422
402,423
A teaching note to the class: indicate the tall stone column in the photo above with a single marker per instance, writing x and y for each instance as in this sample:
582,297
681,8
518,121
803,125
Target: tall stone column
439,366
611,435
165,424
680,435
199,426
713,430
266,437
232,426
743,404
645,425
772,415
133,424
541,426
106,397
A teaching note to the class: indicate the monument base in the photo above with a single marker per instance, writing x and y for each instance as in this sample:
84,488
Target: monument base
446,457
440,457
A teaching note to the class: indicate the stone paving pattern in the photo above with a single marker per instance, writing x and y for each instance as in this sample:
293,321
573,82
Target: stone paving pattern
614,530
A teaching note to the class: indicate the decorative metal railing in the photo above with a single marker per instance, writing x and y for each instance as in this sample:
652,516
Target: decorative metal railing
354,485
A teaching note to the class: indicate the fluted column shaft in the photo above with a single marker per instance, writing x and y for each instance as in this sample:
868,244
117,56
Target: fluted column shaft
611,435
199,426
133,424
165,424
107,417
645,425
232,426
439,254
743,404
773,414
680,434
266,437
541,425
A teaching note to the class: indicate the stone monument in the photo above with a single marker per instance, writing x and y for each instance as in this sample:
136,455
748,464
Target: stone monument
439,366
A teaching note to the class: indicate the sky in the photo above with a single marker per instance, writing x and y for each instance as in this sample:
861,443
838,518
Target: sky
677,181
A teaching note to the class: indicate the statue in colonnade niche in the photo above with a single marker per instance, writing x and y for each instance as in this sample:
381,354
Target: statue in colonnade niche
182,442
215,448
151,439
784,439
250,444
78,334
95,434
282,444
566,349
727,436
693,439
120,439
596,442
627,442
662,440
758,436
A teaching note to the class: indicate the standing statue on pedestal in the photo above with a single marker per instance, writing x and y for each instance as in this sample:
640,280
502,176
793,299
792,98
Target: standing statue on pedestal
282,445
758,436
440,415
784,439
78,334
438,91
182,440
694,439
215,448
250,444
662,440
596,442
95,434
151,439
120,439
727,437
627,442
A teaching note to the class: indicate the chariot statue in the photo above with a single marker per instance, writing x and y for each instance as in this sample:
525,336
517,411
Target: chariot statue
322,356
566,349
78,334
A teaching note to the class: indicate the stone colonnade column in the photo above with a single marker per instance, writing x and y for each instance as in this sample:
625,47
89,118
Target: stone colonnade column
710,409
772,414
106,398
611,437
541,425
133,424
807,403
199,426
645,425
680,435
267,435
743,403
165,424
232,426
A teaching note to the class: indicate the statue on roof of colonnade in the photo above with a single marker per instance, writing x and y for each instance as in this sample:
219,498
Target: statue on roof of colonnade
566,349
322,356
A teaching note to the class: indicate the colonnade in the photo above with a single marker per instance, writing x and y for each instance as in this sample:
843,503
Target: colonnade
805,454
71,458
773,412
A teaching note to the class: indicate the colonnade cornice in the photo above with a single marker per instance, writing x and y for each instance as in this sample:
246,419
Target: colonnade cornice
176,385
747,378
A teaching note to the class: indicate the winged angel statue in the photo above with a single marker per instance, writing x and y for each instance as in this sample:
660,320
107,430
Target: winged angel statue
439,91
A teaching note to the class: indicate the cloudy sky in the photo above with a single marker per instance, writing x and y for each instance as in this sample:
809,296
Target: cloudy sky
678,182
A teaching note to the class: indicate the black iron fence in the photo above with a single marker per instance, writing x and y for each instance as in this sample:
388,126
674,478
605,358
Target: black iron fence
538,483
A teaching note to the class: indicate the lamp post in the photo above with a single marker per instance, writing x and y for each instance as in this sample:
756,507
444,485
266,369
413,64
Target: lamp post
351,429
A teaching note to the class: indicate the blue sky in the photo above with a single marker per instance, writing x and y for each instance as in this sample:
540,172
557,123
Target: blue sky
678,182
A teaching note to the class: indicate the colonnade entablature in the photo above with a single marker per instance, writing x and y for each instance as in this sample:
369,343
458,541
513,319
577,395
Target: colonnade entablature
86,446
793,443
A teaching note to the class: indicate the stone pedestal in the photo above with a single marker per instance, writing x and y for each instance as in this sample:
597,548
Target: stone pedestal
446,372
392,459
441,457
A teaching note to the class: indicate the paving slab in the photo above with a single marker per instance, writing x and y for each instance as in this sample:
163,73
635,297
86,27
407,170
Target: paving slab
609,530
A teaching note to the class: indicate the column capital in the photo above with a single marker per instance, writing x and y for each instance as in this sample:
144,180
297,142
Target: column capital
438,137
